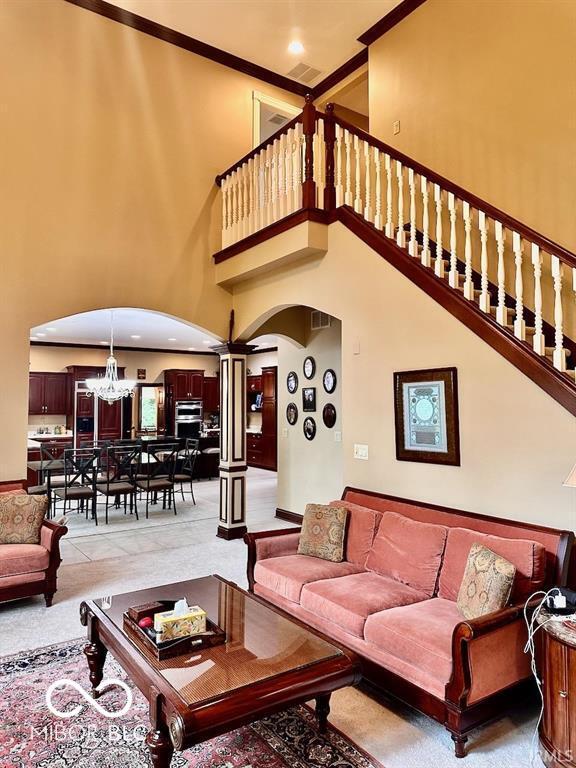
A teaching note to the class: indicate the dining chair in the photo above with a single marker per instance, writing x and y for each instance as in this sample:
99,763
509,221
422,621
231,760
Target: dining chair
81,467
50,469
156,474
117,476
186,473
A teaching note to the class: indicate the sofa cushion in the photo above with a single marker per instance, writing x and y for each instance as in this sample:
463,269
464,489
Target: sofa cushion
487,583
408,551
323,532
349,600
420,633
22,558
21,518
362,526
287,575
528,557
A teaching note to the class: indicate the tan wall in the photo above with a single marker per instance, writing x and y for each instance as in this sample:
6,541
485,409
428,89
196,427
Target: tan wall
111,140
309,470
485,95
517,443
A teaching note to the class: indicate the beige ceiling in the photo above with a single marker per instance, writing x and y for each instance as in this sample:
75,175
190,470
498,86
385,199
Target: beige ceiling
260,30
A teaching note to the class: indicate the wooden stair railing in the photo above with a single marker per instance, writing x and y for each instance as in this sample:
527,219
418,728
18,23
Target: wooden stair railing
318,163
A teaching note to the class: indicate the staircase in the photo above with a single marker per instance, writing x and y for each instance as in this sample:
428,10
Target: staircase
512,286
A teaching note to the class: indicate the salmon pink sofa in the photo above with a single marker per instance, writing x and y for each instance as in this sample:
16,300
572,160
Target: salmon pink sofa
393,601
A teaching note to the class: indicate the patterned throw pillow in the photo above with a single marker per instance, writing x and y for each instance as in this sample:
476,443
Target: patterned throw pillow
21,518
486,584
323,532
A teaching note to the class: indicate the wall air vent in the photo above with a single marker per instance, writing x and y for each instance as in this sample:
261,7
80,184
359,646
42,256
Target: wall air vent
277,119
304,72
320,320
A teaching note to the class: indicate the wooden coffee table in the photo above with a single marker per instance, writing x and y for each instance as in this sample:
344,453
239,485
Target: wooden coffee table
269,662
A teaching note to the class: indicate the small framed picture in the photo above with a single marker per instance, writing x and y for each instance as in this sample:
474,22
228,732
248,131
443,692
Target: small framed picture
329,380
141,374
292,413
426,416
309,427
308,399
329,415
309,367
292,382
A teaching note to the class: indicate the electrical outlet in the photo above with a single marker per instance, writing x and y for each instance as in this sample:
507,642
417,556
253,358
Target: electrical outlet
356,347
360,451
337,437
396,127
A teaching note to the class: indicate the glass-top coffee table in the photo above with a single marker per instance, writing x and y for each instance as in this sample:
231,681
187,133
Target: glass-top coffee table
269,662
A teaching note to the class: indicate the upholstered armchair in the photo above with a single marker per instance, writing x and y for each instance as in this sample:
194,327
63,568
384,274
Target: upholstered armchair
31,569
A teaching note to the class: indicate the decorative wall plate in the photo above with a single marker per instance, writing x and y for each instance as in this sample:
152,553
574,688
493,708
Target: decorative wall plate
309,367
292,382
292,413
329,415
309,427
329,380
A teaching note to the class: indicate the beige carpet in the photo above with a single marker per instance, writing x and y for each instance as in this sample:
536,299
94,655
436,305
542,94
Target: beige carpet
168,549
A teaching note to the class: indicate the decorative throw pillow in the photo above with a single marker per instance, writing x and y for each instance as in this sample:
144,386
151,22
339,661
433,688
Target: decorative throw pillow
323,532
21,518
487,583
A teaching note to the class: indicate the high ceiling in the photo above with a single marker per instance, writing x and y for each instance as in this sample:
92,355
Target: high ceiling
261,30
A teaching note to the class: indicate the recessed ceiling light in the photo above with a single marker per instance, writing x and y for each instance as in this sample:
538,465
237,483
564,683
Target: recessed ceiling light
40,334
103,342
296,47
191,349
172,339
32,338
207,341
52,329
135,336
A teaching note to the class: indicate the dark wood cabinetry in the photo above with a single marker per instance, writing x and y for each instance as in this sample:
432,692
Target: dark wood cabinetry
211,394
48,393
557,652
186,385
109,414
262,447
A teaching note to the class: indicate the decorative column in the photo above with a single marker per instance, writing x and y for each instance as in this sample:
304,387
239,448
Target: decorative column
232,519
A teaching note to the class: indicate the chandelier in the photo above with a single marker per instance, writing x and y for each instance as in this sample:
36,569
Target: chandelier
109,387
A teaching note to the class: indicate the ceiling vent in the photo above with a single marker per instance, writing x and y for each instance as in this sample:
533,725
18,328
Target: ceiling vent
304,72
277,119
320,320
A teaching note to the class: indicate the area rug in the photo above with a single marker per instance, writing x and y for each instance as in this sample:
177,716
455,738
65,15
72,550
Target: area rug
32,737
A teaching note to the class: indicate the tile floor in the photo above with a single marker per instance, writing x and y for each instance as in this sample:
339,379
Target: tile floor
129,554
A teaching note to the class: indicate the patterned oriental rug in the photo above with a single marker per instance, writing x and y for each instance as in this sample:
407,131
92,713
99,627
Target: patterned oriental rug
31,736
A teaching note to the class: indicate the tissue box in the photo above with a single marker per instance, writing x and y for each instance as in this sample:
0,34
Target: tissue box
170,627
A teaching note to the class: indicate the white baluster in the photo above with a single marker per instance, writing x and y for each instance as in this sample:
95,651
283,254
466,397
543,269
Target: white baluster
538,342
319,163
519,324
270,173
234,211
224,191
378,215
484,294
297,168
347,143
501,312
559,357
357,198
413,243
389,226
425,255
246,201
439,266
453,274
400,234
368,197
468,284
274,167
288,171
259,191
338,179
282,176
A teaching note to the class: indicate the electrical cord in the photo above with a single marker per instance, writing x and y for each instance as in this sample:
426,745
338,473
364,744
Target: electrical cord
530,647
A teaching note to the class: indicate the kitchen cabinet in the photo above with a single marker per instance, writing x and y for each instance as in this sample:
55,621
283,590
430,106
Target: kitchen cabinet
262,447
254,384
186,385
48,393
211,394
109,420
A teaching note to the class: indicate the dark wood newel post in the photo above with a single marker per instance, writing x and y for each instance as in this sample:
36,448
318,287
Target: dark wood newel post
329,140
309,128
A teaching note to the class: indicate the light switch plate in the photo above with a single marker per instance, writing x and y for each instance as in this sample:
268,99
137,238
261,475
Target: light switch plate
361,451
337,437
396,127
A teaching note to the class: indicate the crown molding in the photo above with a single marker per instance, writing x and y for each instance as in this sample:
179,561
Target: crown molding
395,16
168,35
120,348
